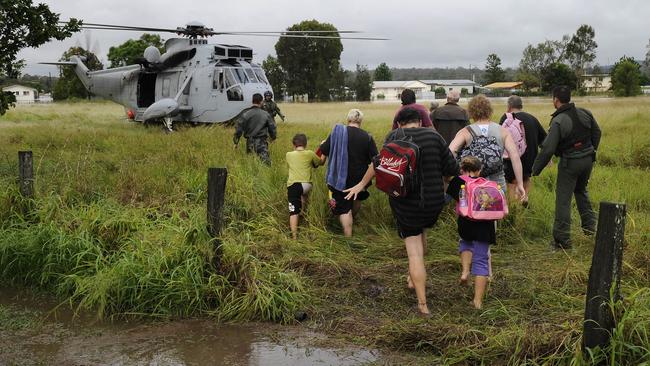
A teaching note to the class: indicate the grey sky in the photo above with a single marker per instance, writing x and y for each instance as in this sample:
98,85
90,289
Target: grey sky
423,33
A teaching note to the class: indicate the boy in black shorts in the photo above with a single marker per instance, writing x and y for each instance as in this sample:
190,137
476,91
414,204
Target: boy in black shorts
301,163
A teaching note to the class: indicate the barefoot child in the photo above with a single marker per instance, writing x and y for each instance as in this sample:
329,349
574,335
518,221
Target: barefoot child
475,236
301,163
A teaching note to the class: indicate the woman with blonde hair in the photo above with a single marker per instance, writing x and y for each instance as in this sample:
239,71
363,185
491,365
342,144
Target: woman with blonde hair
480,111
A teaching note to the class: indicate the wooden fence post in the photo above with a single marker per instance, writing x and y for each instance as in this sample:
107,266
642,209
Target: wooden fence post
26,174
604,275
216,194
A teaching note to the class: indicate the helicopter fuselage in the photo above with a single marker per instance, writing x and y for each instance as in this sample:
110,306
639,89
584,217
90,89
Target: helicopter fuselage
210,83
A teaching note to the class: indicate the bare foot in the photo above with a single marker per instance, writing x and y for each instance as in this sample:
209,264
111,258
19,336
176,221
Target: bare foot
423,309
464,279
409,283
476,304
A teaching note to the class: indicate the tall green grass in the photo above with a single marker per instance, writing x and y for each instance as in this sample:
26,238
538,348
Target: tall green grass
118,227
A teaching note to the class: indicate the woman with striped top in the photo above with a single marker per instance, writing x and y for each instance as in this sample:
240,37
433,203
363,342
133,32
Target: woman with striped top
418,211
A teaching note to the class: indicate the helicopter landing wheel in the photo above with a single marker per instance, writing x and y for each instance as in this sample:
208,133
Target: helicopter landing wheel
168,124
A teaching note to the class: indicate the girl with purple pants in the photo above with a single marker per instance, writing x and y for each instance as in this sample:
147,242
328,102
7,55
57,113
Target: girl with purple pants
475,237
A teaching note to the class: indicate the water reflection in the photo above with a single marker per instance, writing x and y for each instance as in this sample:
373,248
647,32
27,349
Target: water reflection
65,340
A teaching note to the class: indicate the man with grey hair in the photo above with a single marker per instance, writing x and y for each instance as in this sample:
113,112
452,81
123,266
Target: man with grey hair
450,118
349,151
534,135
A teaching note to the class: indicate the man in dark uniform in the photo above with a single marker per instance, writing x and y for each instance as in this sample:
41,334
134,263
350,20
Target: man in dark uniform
573,136
257,126
271,107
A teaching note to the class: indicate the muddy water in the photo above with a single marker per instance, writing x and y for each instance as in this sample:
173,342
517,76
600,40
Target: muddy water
59,338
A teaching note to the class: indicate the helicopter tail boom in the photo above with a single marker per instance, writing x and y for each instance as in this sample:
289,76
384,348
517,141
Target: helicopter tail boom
79,69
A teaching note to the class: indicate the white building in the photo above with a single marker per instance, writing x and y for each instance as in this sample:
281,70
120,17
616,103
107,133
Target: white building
391,90
596,82
450,85
24,94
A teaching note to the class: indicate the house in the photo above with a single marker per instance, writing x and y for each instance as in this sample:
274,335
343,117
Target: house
596,83
24,94
391,90
450,85
645,89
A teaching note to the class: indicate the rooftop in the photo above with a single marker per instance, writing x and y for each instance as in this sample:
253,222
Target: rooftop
449,82
504,85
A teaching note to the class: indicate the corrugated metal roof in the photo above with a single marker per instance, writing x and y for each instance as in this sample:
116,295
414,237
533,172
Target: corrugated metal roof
449,82
504,85
397,84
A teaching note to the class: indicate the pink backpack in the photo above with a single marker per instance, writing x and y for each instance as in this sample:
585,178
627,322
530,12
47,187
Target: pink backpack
481,200
516,129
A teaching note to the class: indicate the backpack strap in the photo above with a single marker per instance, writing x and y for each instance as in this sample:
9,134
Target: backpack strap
494,129
472,132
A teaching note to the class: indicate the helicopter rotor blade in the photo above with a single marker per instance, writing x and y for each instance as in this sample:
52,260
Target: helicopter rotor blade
204,32
126,27
303,36
291,32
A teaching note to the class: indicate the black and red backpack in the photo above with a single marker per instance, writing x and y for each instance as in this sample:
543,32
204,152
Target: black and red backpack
397,167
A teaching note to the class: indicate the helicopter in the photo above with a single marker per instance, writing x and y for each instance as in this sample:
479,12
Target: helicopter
193,81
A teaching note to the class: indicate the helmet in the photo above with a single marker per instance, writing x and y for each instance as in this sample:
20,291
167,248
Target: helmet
268,94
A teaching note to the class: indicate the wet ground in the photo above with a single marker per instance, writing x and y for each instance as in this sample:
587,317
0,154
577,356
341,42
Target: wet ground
35,333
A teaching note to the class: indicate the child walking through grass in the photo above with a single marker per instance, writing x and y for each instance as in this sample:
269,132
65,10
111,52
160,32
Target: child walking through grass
301,163
475,236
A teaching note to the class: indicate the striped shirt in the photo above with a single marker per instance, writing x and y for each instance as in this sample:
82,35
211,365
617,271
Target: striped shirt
436,161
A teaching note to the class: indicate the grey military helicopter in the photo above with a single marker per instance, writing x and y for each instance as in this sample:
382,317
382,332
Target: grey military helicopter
193,81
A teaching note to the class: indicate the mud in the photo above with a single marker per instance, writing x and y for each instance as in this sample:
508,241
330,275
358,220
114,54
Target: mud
55,336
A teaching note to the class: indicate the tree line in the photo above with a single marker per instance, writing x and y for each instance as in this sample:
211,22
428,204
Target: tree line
312,67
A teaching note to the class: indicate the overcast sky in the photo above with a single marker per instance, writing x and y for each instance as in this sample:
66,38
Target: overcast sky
423,33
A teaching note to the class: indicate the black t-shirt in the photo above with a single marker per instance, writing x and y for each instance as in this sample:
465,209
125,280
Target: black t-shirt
535,135
361,150
469,230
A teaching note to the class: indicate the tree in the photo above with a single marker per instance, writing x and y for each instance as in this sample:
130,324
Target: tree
383,73
581,49
22,25
493,70
69,85
274,74
557,74
534,60
342,86
626,77
128,52
363,83
311,64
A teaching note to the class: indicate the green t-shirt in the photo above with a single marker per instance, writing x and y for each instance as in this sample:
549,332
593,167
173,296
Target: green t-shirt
301,164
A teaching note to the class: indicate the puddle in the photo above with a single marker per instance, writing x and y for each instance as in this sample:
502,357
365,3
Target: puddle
61,339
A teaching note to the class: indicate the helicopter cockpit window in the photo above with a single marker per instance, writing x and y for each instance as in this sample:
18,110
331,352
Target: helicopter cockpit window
229,79
240,75
260,75
251,75
235,94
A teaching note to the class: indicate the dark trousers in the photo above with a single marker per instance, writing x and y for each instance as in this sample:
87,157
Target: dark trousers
259,146
572,179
